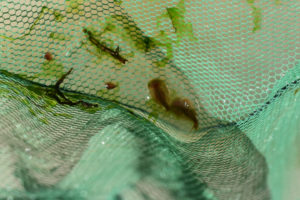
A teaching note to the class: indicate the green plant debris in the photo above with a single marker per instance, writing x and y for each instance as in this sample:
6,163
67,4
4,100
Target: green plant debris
277,2
20,76
58,36
90,110
257,16
153,116
162,63
183,30
75,6
57,16
118,2
111,106
17,92
257,19
39,99
181,26
73,3
63,115
44,120
148,42
162,40
109,27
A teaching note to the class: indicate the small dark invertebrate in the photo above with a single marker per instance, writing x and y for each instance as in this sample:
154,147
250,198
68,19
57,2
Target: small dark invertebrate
48,56
110,85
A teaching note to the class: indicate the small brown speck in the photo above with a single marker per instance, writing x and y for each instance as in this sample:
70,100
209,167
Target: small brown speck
48,56
110,85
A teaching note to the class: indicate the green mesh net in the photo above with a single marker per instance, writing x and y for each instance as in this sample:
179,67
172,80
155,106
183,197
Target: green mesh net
149,100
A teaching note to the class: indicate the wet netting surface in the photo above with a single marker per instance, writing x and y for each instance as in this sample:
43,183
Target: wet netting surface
149,100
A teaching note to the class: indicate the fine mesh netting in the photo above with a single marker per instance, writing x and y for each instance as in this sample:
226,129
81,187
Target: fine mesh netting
149,99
